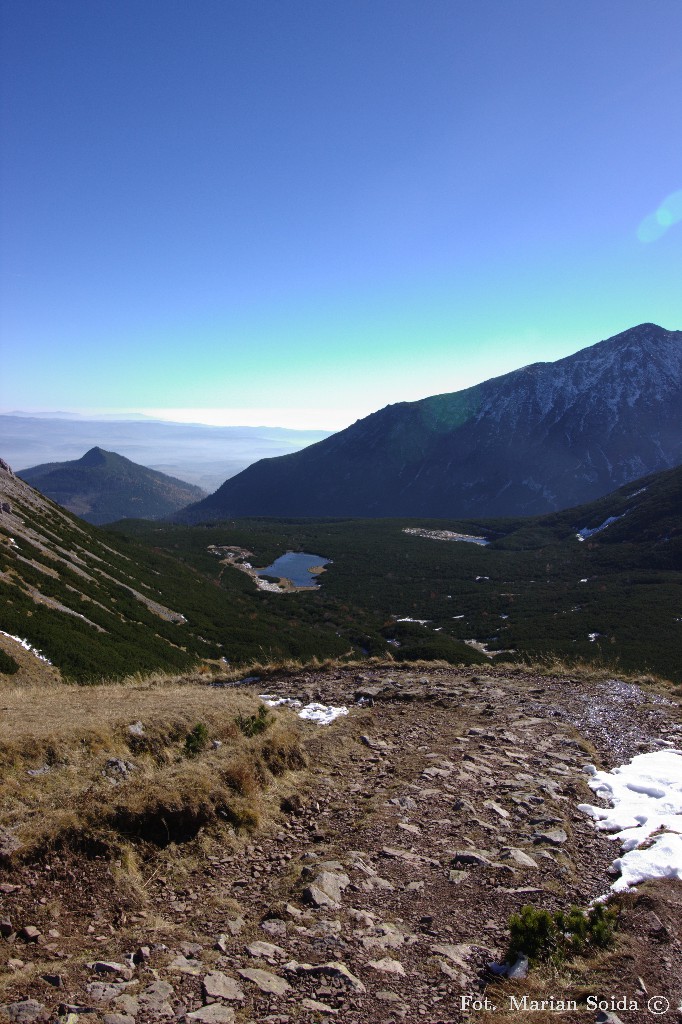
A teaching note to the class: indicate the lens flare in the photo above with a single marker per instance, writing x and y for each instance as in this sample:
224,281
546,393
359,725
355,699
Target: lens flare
655,225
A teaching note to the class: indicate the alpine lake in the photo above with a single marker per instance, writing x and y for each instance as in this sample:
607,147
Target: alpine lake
300,567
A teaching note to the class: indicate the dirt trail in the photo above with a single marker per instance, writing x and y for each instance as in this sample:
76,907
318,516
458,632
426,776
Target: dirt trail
381,888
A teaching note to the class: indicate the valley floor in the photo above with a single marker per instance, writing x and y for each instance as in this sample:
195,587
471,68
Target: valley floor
379,884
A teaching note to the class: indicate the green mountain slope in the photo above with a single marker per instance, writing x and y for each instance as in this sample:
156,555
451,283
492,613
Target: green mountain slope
101,607
536,591
146,595
102,487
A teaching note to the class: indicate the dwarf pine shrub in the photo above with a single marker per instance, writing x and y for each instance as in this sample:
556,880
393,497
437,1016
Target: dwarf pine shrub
196,740
541,935
254,725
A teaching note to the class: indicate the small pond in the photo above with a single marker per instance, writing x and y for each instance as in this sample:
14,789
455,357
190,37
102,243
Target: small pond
295,566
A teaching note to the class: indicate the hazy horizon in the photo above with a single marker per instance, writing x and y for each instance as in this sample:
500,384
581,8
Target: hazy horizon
197,453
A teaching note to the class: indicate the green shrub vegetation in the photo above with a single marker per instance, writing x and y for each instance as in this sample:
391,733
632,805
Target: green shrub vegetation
8,665
196,740
541,935
534,593
254,725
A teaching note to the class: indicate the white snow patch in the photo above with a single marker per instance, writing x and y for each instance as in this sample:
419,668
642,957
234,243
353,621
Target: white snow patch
278,702
272,588
422,622
27,647
645,815
323,714
586,532
446,535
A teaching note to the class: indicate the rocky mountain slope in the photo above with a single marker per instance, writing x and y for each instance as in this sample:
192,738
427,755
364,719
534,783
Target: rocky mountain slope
536,440
379,883
102,487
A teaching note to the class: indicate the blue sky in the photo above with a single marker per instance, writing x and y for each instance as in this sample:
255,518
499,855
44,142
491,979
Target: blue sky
298,211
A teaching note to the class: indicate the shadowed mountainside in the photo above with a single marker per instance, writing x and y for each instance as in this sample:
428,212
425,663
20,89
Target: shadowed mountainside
543,438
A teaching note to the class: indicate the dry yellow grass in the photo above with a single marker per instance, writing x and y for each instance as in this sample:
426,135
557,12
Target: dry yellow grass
74,773
32,670
65,713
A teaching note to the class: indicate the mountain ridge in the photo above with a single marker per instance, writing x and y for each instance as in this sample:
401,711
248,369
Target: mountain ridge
535,440
103,486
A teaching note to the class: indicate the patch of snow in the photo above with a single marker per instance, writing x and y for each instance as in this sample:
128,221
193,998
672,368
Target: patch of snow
422,622
278,702
272,588
593,636
583,581
586,532
458,616
446,535
479,646
482,578
645,815
27,647
323,714
482,647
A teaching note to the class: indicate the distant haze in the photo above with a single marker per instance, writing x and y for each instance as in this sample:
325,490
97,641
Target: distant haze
199,454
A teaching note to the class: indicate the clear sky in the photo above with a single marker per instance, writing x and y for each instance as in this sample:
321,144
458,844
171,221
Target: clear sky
298,211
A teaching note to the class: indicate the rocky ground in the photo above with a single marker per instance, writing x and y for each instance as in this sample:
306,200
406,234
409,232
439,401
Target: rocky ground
380,887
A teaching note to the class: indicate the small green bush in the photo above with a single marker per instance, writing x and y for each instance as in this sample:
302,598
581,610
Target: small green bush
253,725
545,936
196,740
8,665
